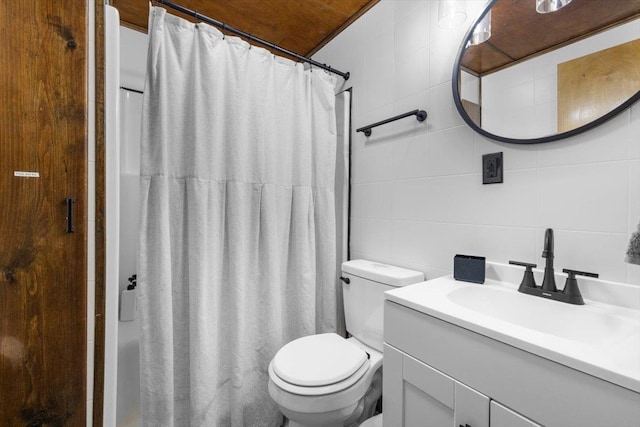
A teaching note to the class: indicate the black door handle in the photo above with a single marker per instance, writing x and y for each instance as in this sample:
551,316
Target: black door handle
70,201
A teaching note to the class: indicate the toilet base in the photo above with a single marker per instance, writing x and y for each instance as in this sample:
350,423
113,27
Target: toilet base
339,418
351,416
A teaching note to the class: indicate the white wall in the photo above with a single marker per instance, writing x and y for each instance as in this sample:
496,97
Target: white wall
128,375
521,101
418,197
133,54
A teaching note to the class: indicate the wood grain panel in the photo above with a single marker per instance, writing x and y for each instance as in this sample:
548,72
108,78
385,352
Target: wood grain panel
301,27
100,257
43,276
474,111
484,58
593,85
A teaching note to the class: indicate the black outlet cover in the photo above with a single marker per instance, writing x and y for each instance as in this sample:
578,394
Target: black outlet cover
492,167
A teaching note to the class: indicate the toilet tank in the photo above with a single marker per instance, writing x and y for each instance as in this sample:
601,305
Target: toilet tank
364,296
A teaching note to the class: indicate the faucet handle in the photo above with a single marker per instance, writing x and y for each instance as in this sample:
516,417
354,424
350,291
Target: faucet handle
528,281
571,285
523,264
573,273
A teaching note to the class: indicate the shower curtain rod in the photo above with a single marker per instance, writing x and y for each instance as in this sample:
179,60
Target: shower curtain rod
248,36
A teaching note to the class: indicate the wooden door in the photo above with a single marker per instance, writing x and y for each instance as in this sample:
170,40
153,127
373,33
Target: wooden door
43,135
593,85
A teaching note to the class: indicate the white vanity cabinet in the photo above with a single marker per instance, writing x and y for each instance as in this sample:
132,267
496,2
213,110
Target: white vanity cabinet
423,396
438,374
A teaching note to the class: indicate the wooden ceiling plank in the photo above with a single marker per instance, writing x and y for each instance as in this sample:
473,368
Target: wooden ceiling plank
351,19
301,27
515,21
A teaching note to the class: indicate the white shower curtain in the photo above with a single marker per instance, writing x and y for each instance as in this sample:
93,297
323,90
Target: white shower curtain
237,246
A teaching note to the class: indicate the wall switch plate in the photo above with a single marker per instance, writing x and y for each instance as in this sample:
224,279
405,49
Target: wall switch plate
492,167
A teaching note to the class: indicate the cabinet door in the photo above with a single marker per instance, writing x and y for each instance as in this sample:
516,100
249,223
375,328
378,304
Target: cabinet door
471,407
392,385
504,417
417,395
414,394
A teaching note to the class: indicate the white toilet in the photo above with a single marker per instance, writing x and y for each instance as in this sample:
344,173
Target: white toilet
326,380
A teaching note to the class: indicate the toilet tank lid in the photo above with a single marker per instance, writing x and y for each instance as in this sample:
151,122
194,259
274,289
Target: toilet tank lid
383,273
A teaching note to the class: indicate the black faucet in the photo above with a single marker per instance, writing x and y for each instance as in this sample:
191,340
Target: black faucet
549,281
570,293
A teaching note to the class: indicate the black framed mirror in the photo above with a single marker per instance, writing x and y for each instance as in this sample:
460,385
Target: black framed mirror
541,77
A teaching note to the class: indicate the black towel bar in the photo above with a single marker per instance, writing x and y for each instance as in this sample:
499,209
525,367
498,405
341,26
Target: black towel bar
421,115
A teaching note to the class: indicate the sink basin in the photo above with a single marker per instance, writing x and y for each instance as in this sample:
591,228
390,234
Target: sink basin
601,338
585,324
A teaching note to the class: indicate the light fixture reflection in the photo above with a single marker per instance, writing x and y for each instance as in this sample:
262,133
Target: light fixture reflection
547,6
482,30
451,13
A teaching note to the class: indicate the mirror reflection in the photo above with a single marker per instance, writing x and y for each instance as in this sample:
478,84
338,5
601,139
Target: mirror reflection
540,76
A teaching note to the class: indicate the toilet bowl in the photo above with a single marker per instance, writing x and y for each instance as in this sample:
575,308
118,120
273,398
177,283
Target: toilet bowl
325,380
329,381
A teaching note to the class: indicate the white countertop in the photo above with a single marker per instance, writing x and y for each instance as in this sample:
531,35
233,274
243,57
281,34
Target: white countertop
607,349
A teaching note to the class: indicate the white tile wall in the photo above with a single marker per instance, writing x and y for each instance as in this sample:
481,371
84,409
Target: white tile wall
633,272
417,195
634,131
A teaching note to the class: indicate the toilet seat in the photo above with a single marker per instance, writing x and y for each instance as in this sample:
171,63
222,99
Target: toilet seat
318,360
318,364
314,400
